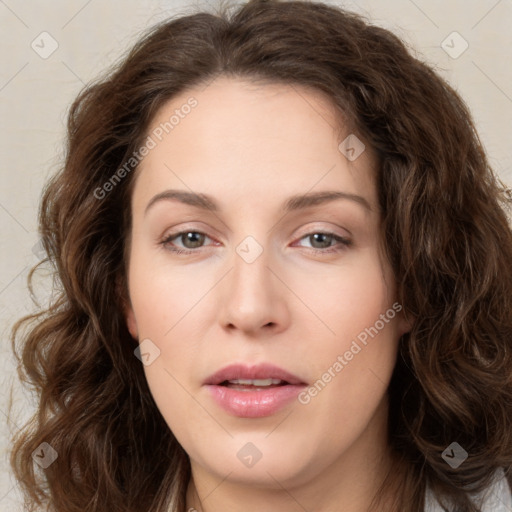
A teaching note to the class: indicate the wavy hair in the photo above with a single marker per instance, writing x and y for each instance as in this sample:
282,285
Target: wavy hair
445,227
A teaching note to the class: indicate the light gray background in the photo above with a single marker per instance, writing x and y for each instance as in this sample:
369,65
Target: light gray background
36,92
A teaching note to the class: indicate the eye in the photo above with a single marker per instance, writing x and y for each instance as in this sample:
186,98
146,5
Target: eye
320,241
190,239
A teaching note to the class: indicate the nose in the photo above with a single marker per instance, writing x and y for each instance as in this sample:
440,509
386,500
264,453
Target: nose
254,298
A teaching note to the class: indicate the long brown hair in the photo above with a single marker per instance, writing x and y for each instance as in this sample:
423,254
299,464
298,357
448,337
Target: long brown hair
445,229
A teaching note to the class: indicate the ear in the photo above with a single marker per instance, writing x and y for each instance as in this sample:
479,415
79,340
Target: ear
131,323
405,324
126,307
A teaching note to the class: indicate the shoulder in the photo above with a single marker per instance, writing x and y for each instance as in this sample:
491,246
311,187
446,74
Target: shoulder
496,498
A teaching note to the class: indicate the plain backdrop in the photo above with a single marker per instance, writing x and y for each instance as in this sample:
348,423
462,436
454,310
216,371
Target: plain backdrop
85,37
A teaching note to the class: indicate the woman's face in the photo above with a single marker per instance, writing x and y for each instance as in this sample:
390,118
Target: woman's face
279,279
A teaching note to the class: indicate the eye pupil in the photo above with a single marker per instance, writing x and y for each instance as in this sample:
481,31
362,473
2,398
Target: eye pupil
195,238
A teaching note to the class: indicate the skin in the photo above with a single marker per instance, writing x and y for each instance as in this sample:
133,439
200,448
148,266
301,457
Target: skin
251,147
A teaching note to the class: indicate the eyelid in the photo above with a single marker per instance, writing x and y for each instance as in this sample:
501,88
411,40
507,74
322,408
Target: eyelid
177,234
181,229
342,242
308,230
335,231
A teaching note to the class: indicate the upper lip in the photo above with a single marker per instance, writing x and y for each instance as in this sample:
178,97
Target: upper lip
259,371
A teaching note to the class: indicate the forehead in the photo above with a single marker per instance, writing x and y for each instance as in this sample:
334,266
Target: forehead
252,139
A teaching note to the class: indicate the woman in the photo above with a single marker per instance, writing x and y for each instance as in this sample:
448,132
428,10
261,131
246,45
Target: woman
285,281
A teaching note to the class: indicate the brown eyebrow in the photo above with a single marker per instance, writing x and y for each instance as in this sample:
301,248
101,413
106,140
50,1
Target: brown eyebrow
297,202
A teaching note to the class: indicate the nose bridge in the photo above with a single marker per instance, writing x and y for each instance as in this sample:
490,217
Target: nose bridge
250,279
253,298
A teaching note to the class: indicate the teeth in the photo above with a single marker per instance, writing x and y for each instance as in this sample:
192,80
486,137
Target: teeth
255,382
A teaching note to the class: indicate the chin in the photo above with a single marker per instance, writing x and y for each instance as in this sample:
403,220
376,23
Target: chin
259,461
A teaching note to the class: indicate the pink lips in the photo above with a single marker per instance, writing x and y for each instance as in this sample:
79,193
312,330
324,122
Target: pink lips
253,401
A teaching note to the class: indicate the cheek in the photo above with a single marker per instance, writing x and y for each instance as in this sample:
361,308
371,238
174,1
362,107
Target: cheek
168,305
358,332
161,296
347,300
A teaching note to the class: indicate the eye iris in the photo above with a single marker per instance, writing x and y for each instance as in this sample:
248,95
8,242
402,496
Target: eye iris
324,239
195,238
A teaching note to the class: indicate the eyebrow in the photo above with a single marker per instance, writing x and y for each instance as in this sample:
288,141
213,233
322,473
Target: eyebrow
293,203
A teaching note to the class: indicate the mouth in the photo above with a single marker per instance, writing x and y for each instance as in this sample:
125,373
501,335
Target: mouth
253,384
261,375
253,391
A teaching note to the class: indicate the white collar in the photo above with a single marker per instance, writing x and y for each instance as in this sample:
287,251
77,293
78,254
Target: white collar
496,498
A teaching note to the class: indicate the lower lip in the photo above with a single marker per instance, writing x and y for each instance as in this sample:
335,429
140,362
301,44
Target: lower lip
254,404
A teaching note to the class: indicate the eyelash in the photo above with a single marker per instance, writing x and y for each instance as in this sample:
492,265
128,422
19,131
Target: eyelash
343,242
